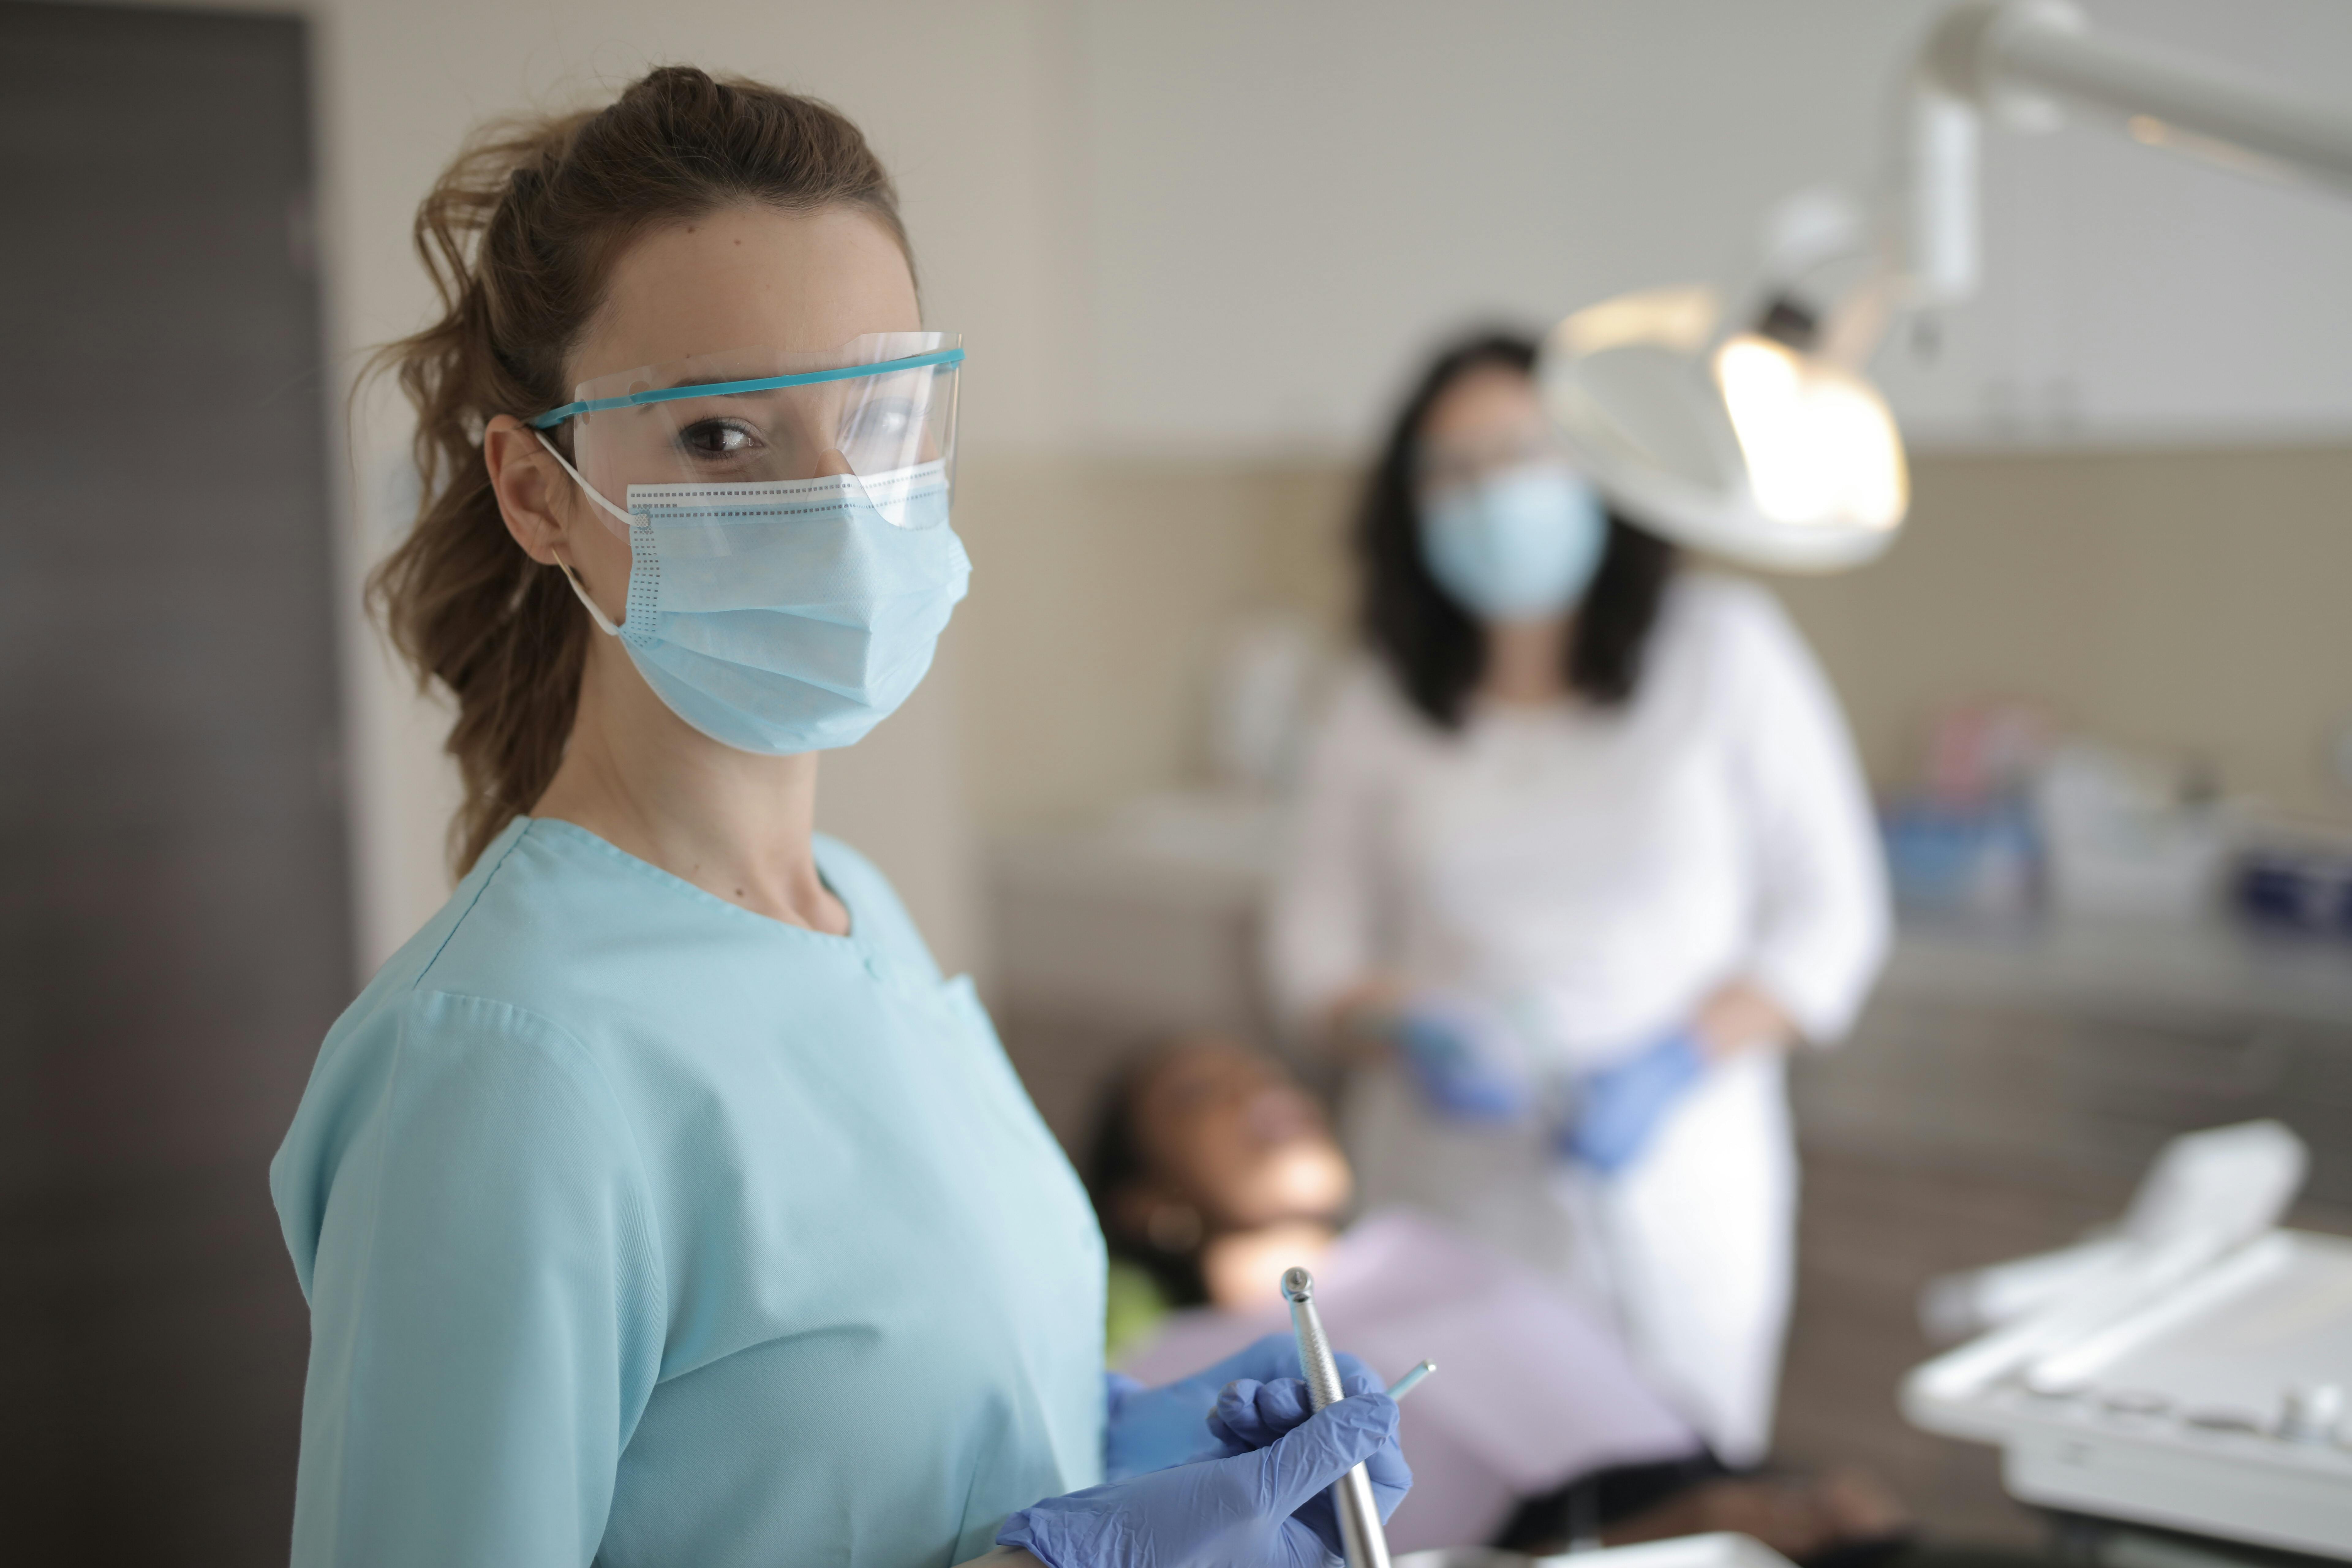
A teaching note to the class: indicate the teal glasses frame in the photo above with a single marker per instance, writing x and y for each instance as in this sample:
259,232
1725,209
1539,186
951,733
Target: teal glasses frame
555,417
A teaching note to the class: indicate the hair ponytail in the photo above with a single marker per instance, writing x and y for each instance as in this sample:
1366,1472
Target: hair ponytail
518,236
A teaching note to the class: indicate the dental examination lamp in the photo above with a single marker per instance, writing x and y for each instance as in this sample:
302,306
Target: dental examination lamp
1753,434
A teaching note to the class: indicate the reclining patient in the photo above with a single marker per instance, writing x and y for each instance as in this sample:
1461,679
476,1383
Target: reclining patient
1213,1171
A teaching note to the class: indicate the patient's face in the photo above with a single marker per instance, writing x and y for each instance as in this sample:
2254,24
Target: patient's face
1226,1130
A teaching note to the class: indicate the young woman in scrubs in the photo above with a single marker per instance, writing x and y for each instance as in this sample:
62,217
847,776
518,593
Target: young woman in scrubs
1582,849
660,1202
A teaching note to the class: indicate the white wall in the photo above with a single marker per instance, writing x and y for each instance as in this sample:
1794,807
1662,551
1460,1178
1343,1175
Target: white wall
1289,200
2139,298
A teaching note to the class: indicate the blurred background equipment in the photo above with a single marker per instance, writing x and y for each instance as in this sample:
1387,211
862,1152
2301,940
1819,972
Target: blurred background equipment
2186,1372
2208,1194
178,903
2300,883
1747,428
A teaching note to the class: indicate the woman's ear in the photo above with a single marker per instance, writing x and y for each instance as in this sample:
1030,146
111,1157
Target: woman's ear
528,481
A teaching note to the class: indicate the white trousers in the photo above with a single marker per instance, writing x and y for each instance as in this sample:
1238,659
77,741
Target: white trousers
1689,1250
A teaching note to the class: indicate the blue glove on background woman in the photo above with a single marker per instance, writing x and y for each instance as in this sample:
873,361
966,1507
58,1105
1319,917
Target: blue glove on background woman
1465,1058
1618,1109
1242,1509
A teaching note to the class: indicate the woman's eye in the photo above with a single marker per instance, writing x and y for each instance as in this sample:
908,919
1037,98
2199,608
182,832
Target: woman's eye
719,438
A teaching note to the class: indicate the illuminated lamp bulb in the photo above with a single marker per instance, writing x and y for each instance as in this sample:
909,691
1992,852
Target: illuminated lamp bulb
1819,445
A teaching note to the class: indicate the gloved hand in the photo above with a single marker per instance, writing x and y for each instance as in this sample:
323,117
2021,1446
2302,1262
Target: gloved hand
1252,1415
1152,1429
1618,1109
1466,1059
1237,1509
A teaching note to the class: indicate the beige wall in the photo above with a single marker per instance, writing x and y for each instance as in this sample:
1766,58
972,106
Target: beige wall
2192,603
1100,590
2188,603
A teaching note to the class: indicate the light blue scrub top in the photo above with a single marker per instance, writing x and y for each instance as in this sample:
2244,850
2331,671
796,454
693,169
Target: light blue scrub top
640,1228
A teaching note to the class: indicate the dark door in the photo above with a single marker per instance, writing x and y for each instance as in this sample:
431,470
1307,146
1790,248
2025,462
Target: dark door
174,924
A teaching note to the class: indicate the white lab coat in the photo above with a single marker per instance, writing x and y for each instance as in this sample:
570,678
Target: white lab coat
1597,873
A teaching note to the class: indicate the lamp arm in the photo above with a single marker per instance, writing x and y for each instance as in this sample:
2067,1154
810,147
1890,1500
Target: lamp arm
2022,61
2135,84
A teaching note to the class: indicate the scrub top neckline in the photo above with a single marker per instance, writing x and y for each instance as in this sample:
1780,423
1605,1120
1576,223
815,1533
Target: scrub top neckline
563,828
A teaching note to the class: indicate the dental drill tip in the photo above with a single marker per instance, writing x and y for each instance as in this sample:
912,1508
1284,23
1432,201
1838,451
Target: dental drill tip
1297,1285
1411,1380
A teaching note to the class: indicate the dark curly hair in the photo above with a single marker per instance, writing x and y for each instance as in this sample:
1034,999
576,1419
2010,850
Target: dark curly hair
1435,648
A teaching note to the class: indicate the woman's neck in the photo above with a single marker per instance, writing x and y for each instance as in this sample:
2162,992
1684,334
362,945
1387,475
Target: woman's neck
1241,1269
738,826
1527,661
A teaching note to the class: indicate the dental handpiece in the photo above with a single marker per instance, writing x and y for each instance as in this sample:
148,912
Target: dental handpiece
1364,1543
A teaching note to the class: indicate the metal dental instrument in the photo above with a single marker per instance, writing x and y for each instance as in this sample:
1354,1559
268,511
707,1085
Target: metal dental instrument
1365,1544
1411,1380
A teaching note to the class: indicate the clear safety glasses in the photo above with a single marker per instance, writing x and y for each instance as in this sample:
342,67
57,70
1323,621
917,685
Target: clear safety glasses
876,415
1462,460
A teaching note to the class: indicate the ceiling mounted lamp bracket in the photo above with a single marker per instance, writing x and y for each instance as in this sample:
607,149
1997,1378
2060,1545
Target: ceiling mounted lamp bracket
1753,434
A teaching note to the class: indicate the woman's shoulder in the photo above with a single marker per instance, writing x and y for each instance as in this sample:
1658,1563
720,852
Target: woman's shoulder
1742,656
1729,626
568,934
555,920
458,923
544,900
1717,604
492,945
546,923
409,1052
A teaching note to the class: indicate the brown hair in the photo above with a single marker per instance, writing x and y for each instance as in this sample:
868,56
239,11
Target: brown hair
519,236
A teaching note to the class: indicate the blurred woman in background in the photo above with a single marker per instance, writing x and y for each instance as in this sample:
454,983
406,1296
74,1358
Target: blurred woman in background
1581,852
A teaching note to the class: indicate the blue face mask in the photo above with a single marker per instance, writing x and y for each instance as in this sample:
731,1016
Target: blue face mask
790,616
1519,544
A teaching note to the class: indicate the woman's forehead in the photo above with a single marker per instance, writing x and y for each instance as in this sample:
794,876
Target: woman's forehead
1482,399
1203,1065
749,276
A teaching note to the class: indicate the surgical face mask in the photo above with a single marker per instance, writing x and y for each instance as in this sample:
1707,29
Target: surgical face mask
791,565
786,615
1519,543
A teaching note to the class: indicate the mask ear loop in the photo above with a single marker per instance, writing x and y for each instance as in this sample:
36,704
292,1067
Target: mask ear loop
604,621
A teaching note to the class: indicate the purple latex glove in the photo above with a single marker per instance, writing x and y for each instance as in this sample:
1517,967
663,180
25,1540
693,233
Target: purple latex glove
1152,1429
1240,1510
1252,1415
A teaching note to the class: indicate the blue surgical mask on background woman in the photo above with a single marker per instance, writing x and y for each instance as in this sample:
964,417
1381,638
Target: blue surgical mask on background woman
1515,544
